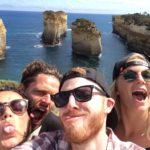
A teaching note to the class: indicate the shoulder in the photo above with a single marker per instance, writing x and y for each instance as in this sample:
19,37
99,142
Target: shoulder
47,140
51,123
115,143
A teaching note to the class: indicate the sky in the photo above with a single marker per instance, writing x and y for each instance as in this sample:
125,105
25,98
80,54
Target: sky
80,6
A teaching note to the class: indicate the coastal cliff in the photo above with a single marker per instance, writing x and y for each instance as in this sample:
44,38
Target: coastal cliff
86,39
2,39
135,30
55,27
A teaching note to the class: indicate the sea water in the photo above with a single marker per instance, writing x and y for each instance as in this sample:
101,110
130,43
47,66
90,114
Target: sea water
24,30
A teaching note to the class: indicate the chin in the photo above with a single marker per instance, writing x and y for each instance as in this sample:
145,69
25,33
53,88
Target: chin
10,143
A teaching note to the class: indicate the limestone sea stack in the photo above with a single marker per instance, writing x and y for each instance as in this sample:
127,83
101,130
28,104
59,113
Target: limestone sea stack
135,30
55,27
2,39
86,39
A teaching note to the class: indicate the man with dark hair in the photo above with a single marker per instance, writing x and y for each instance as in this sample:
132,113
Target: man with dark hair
84,103
39,81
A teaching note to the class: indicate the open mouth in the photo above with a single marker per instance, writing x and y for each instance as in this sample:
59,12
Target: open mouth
140,95
37,113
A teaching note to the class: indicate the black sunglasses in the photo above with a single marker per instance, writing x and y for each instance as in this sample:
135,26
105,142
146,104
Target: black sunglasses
131,75
81,94
18,106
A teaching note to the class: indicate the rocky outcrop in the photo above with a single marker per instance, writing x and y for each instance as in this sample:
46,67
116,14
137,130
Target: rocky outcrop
55,27
86,39
135,30
2,39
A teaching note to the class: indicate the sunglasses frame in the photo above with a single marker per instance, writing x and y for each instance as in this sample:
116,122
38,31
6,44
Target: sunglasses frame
68,93
133,78
8,104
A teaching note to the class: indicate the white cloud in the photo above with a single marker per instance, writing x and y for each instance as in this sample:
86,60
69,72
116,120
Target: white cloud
104,6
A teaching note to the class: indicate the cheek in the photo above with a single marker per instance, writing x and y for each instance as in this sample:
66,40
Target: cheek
123,87
22,121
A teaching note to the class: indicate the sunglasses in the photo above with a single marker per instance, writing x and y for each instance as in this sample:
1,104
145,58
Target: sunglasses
131,75
18,106
81,94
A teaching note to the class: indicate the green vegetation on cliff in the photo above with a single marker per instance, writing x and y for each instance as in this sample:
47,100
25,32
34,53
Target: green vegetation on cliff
137,19
8,83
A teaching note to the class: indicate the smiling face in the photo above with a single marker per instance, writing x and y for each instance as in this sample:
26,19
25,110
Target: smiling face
13,127
134,95
83,120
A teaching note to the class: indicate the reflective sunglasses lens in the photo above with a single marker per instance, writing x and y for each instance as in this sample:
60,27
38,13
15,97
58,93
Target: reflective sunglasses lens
18,106
83,94
130,75
61,99
2,109
146,75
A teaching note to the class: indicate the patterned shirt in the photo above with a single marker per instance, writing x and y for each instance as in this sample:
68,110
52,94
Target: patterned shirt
56,141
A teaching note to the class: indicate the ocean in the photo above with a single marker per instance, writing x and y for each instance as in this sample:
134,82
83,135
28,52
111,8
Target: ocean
24,31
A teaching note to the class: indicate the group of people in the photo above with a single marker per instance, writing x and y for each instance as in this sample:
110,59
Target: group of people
92,116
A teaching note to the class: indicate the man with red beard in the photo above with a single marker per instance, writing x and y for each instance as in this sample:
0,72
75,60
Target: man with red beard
83,101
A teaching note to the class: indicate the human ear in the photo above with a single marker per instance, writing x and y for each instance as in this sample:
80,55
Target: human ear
109,105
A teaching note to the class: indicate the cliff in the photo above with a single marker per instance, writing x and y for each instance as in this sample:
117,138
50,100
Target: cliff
2,39
86,39
55,27
135,30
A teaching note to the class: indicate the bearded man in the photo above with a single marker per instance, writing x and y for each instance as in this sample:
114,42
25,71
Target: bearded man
84,103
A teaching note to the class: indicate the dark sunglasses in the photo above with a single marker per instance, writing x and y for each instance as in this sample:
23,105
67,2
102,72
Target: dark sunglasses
81,94
131,75
18,106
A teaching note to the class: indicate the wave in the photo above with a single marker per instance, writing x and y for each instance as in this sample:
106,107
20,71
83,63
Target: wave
59,44
38,46
2,57
8,47
38,35
68,30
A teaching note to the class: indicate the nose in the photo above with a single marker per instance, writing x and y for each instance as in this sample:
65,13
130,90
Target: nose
46,98
7,113
72,103
140,78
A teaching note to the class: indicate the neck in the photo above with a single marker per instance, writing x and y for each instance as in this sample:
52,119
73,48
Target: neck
98,141
132,123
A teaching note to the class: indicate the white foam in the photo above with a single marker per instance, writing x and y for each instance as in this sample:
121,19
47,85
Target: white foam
8,47
69,29
38,46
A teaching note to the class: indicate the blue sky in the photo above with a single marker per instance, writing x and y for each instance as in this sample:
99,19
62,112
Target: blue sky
88,6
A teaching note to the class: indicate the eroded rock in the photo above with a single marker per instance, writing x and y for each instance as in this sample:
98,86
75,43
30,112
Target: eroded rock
135,30
55,27
2,39
86,39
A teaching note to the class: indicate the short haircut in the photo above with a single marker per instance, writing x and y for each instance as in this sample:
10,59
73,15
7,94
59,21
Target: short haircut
38,67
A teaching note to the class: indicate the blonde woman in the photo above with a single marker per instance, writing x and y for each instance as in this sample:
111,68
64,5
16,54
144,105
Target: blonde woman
131,90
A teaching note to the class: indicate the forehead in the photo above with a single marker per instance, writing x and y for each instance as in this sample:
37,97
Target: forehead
76,82
45,78
137,68
7,96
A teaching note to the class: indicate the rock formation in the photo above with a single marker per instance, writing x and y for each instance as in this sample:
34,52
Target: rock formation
55,27
86,39
135,30
2,39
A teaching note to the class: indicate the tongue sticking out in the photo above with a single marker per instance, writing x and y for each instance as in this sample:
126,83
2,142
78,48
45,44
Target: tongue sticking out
9,129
